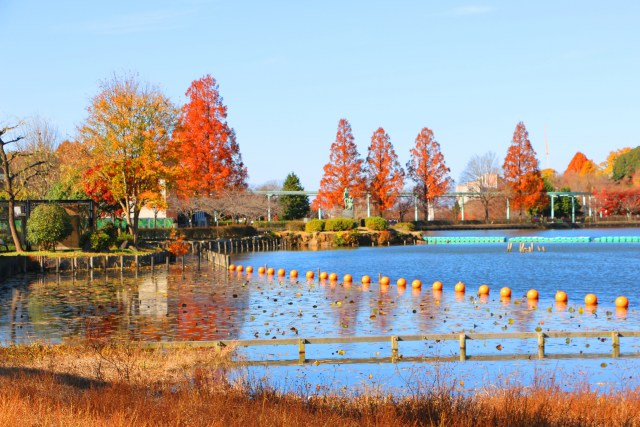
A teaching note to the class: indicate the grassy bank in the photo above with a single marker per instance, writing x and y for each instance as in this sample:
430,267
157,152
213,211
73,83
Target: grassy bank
99,384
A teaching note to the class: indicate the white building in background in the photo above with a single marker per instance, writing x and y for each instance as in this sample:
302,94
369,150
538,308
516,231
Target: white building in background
482,183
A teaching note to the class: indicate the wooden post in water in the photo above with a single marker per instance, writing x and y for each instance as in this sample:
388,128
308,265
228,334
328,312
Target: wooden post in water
540,345
152,264
301,351
394,348
615,343
463,347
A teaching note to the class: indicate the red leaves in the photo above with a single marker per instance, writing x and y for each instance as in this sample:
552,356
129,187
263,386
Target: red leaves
521,173
344,170
385,176
621,202
427,167
204,144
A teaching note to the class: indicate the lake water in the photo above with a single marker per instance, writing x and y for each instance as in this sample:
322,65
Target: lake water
210,305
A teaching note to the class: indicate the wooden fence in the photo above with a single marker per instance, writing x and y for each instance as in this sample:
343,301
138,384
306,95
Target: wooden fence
395,340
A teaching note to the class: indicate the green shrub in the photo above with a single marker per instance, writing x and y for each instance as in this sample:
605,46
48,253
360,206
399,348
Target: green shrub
111,230
295,225
124,237
315,225
407,226
340,224
376,223
48,225
100,241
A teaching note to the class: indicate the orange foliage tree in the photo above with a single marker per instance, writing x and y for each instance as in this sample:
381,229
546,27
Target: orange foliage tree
521,173
385,176
344,171
125,136
576,163
205,146
427,169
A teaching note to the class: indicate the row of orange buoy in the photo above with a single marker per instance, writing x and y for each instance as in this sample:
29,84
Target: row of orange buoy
483,290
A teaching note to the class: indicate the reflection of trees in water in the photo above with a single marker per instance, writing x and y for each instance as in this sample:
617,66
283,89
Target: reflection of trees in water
206,307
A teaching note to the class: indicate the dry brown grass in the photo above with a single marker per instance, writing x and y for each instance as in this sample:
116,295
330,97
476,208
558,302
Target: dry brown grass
106,385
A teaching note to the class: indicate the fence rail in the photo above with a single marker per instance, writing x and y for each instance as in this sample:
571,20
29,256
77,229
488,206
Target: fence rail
394,340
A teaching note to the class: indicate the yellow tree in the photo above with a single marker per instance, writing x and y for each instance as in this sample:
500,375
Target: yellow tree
606,167
126,134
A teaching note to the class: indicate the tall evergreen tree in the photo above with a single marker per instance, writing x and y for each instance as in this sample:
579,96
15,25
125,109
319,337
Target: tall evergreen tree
293,207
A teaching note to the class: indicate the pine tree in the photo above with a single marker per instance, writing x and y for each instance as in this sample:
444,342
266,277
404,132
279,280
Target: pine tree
293,207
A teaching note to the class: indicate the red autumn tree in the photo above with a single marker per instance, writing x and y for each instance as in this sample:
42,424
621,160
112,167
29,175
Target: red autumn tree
427,169
205,146
576,163
622,202
385,176
344,171
521,174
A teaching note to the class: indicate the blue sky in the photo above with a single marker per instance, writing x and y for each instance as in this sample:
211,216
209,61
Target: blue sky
288,71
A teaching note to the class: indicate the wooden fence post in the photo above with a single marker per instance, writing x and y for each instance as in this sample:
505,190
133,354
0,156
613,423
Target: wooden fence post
540,345
463,347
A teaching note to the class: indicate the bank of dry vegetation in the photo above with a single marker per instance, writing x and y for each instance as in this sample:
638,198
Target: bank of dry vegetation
97,384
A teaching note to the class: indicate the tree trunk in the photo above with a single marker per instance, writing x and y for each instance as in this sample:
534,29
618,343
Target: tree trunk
12,226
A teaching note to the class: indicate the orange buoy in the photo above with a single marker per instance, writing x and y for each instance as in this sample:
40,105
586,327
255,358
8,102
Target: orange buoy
384,281
347,278
591,299
483,290
416,284
281,272
261,270
561,296
437,285
366,279
239,268
622,302
401,282
532,294
459,287
310,274
505,292
232,267
293,274
249,269
324,275
333,277
271,271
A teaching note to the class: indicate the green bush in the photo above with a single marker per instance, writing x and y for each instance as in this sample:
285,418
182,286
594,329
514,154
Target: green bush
124,237
295,225
407,226
376,223
315,225
48,225
100,241
340,224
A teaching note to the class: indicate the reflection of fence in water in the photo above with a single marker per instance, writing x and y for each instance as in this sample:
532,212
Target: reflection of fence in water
394,341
